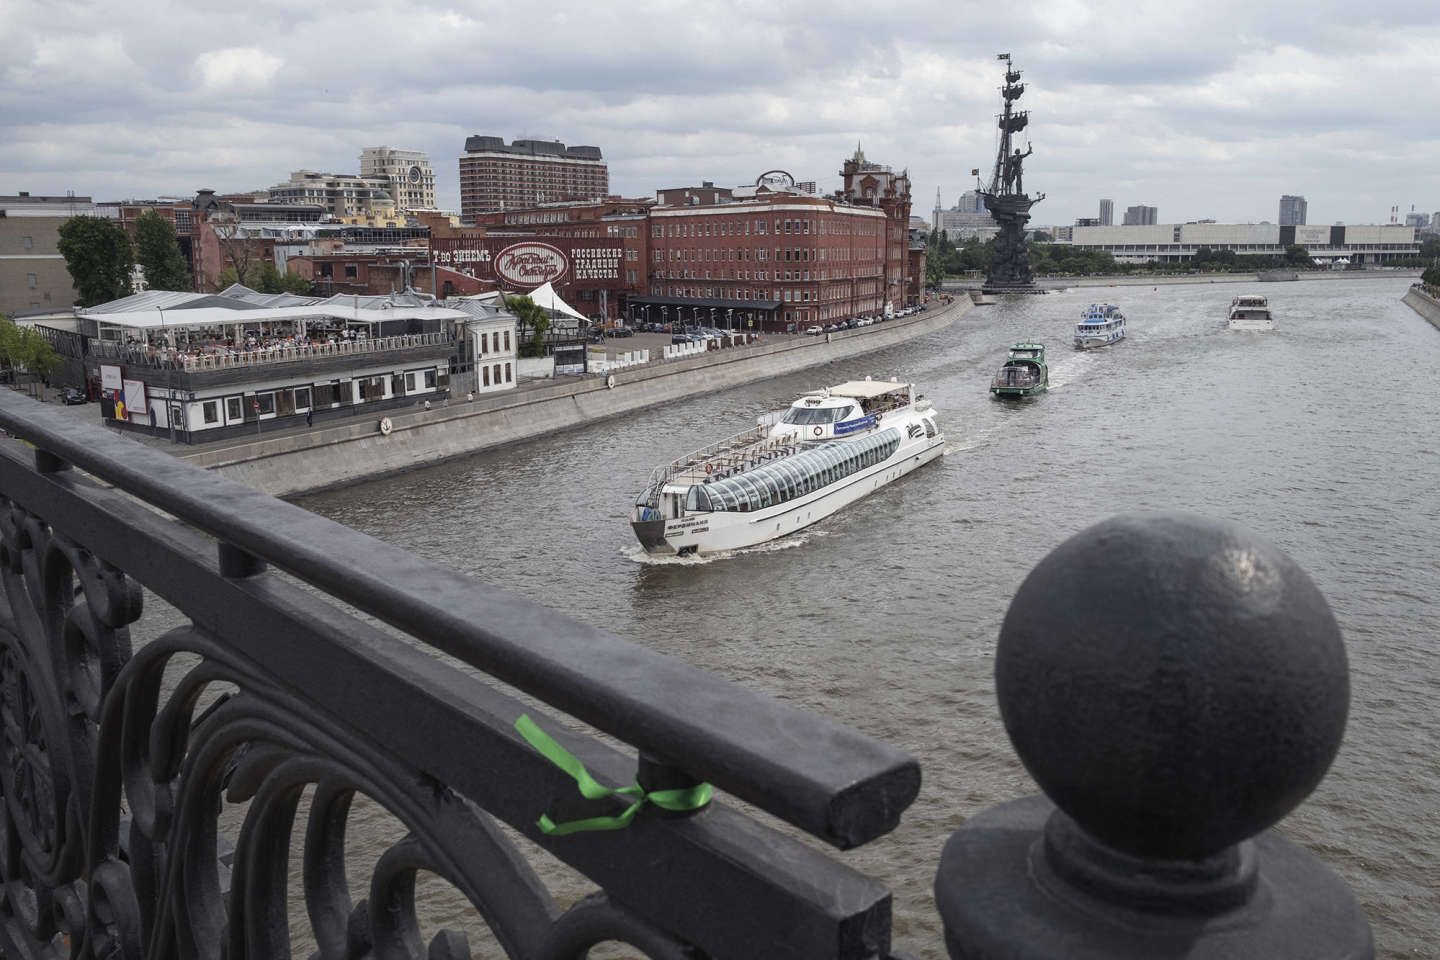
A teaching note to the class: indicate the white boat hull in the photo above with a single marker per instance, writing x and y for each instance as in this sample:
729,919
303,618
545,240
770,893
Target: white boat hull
1089,343
1252,325
719,531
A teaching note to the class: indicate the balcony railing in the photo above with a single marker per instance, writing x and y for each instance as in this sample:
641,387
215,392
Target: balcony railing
299,680
228,358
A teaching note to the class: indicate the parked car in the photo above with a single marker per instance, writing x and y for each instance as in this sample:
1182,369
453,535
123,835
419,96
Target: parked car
71,396
813,331
620,332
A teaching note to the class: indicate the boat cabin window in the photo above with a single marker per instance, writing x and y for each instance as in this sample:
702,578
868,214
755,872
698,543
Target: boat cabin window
806,416
697,500
795,476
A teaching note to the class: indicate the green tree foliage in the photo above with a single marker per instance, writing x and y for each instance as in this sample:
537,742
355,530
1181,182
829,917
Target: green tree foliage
228,278
264,277
99,256
531,316
158,252
24,349
1298,256
292,282
1431,276
951,260
1064,259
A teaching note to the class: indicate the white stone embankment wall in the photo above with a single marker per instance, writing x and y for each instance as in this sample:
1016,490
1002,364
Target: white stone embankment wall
333,456
1423,304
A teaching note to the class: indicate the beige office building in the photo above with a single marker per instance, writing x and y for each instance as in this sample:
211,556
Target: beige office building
411,181
32,271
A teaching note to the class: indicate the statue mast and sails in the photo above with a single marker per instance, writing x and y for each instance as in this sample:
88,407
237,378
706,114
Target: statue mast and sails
1006,199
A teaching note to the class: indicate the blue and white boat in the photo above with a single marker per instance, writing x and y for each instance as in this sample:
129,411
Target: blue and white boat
1102,325
794,468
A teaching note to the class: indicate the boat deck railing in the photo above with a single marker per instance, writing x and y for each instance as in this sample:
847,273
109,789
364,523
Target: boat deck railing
744,450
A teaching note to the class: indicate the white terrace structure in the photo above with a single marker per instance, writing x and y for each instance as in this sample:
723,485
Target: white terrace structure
208,366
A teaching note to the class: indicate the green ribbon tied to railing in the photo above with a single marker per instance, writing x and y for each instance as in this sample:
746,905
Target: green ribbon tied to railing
679,800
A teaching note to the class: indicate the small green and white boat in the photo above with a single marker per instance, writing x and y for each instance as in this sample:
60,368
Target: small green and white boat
1024,373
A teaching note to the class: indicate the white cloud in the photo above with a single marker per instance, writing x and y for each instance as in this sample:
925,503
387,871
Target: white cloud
1207,108
237,69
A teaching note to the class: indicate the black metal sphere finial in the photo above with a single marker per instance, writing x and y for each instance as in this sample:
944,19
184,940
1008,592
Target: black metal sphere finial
1173,683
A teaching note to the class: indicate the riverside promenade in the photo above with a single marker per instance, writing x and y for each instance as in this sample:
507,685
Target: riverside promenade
291,462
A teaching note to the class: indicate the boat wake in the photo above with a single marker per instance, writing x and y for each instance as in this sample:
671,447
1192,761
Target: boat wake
1070,369
636,553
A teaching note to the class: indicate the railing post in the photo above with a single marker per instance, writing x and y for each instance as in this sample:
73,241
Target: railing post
1176,686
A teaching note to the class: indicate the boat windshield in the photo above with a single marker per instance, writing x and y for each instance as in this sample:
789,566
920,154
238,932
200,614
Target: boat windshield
805,416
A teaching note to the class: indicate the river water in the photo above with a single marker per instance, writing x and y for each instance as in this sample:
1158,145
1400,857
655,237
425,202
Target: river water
1323,436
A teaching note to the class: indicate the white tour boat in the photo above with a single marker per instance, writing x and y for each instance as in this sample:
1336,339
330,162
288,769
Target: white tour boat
829,449
1103,324
1250,312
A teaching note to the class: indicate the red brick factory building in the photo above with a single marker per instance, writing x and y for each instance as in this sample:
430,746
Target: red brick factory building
771,257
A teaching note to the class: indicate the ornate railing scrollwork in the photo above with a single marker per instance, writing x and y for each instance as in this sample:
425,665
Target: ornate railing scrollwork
155,800
63,641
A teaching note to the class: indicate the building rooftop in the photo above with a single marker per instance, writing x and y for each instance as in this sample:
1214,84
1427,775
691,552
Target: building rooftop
534,148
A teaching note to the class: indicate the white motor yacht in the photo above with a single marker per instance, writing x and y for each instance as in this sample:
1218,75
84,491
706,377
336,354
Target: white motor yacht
829,449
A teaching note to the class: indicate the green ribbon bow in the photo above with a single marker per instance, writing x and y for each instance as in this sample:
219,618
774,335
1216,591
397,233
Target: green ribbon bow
679,800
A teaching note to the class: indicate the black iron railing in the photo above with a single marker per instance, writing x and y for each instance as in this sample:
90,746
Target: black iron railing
119,760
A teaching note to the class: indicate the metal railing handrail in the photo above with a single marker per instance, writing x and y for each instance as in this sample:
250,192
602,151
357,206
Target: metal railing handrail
230,358
830,781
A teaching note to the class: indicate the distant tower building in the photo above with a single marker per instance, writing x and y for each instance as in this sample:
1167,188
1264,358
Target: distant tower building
1292,211
1418,220
936,224
1141,216
497,176
412,182
1107,213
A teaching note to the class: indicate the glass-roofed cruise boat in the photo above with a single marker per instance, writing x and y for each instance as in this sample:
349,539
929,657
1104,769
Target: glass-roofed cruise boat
829,449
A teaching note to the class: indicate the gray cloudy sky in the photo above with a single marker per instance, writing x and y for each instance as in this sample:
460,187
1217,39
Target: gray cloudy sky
1205,109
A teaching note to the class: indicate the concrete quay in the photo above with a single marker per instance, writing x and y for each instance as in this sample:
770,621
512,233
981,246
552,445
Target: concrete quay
302,461
1423,303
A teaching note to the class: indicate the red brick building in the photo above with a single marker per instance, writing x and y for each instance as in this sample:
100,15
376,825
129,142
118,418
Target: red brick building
378,274
591,289
775,261
877,186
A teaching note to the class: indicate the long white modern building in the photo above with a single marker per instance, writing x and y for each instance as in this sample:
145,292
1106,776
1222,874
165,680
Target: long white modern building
1178,242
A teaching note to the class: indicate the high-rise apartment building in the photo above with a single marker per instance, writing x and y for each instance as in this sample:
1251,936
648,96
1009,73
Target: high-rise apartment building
1292,211
1141,216
496,176
1417,220
411,181
1107,213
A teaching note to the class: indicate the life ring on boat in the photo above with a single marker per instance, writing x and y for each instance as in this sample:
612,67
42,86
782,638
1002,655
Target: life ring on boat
709,468
818,431
386,426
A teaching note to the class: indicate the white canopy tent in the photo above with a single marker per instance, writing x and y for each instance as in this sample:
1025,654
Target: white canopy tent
546,297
